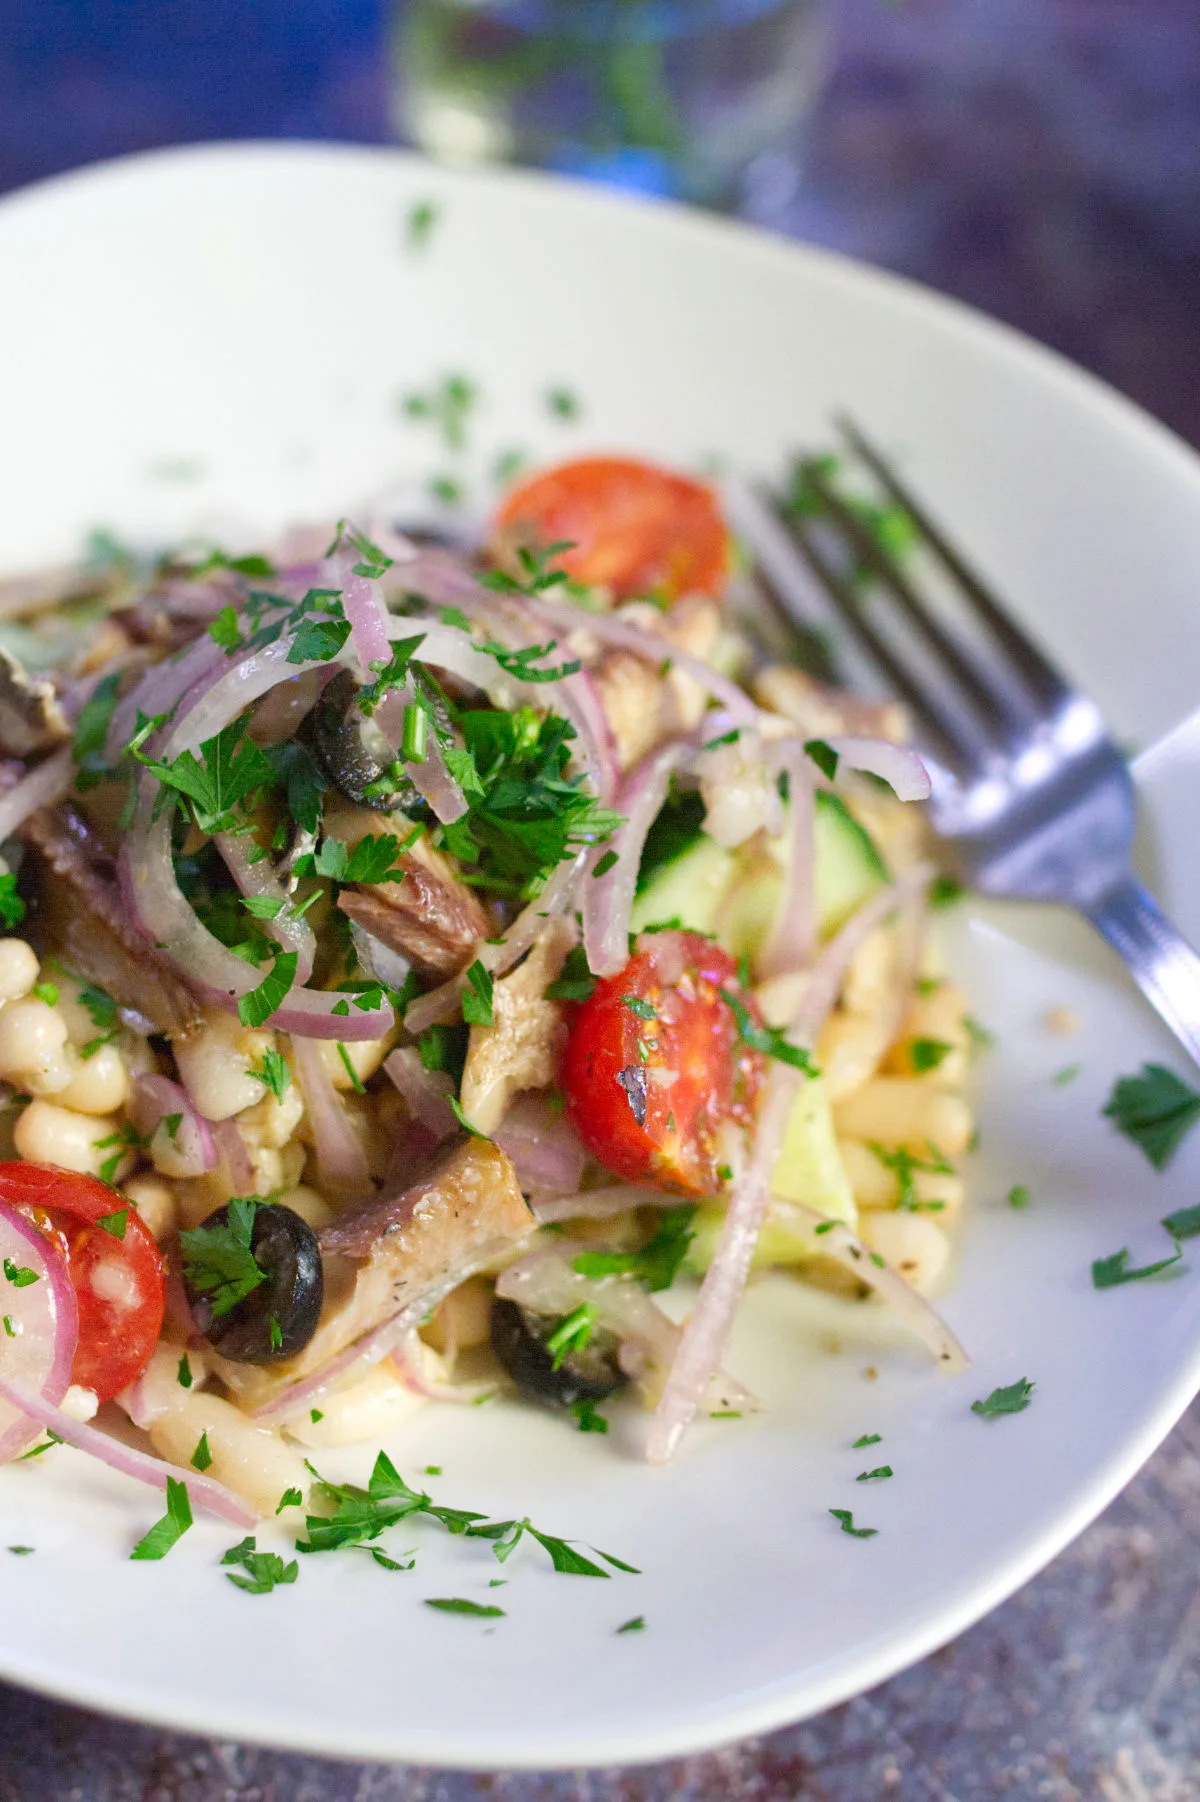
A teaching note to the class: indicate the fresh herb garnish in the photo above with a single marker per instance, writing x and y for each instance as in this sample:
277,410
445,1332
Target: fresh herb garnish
47,992
1183,1225
114,1223
846,1520
1154,1109
273,1073
170,1529
356,1082
91,733
1111,1272
1062,1077
458,1605
47,1444
576,983
229,771
184,1373
944,891
9,1328
19,1275
867,1439
657,1264
573,1333
904,1165
372,860
645,1010
1010,1400
878,1474
218,1261
423,215
589,1418
636,1625
823,755
12,908
768,1040
124,1140
265,1571
478,996
562,403
606,863
447,406
201,1458
927,1054
1018,1196
255,1009
291,1498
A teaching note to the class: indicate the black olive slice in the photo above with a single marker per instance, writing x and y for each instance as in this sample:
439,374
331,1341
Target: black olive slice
279,1315
519,1341
340,736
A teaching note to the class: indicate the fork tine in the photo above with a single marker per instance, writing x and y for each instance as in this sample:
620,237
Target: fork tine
934,721
1043,679
995,711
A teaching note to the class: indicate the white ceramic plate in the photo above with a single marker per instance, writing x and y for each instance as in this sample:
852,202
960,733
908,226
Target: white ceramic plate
220,334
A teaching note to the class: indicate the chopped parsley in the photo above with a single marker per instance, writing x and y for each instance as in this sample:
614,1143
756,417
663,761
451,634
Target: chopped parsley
1183,1225
12,908
201,1457
846,1521
562,403
21,1551
373,859
1018,1196
768,1040
1111,1272
184,1373
170,1529
114,1223
422,217
264,1571
229,772
273,1073
91,732
1010,1400
217,1260
47,992
477,996
588,1417
657,1264
447,406
927,1054
904,1165
576,983
458,1605
19,1275
636,1625
51,1439
255,1008
537,567
867,1439
9,1328
1062,1077
645,1010
944,891
118,1144
877,1475
823,755
291,1498
573,1333
1154,1109
606,863
356,1082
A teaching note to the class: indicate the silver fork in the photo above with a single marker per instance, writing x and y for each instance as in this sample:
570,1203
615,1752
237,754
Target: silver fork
1030,794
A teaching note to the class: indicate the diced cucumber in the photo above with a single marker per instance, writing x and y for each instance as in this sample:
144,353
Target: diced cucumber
734,893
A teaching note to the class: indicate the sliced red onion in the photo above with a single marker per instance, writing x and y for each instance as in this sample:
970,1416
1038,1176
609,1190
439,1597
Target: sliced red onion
599,1204
542,1145
546,1282
558,897
430,776
365,609
161,688
233,1158
156,1098
41,787
40,1351
836,1241
789,943
608,898
341,1162
257,877
377,959
427,1092
278,716
895,764
408,1360
739,788
612,629
207,1494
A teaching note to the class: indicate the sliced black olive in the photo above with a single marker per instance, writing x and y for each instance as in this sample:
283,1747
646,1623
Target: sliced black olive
588,1373
341,739
279,1315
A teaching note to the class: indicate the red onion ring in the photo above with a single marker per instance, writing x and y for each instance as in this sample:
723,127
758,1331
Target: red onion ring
407,1359
895,764
608,899
154,1099
233,1158
341,1162
210,1495
789,942
40,787
542,1145
47,1319
427,1092
289,931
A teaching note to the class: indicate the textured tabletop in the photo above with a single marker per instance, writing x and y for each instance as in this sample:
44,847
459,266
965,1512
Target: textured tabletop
1041,159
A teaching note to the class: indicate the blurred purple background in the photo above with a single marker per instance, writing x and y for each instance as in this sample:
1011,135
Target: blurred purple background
1039,158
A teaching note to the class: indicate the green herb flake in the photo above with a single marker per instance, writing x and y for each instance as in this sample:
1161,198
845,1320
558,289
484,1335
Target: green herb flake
315,1415
823,755
19,1275
1011,1400
589,1418
21,1551
256,1008
114,1223
273,1073
904,1165
459,1605
264,1571
47,992
12,908
927,1054
846,1520
218,1261
184,1373
867,1439
1183,1225
562,403
51,1440
419,224
606,863
1061,1078
291,1498
170,1529
9,1328
657,1264
1111,1272
477,998
1154,1109
356,1082
880,1472
645,1010
636,1625
944,891
573,1333
201,1458
576,982
768,1040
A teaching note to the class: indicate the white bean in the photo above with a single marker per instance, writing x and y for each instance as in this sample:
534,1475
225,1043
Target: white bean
33,1040
902,1110
252,1461
154,1201
216,1061
18,969
911,1244
877,1186
310,1206
100,1084
370,1409
849,1049
365,1056
47,1134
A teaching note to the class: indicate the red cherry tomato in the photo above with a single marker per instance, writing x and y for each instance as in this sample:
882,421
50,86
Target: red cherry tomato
633,528
656,1079
118,1283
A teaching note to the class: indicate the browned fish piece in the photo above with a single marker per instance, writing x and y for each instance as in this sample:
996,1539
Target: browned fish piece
31,718
88,917
429,917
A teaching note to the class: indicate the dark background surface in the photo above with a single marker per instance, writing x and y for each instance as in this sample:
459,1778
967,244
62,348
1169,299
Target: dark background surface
1040,159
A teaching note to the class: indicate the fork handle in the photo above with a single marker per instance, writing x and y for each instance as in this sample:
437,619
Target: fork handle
1160,960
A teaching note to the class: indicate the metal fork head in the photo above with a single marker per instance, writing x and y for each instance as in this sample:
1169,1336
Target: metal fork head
1030,794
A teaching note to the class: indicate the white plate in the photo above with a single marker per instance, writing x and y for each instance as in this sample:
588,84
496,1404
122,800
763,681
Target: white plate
245,317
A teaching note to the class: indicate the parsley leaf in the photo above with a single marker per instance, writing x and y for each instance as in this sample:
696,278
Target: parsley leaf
1154,1109
871,1476
218,1261
12,908
657,1264
586,1413
457,1605
573,1333
423,215
114,1223
201,1457
291,1498
823,755
1110,1273
91,732
184,1373
636,1625
229,771
1010,1400
1018,1196
846,1520
927,1054
904,1165
170,1529
477,996
576,983
372,859
19,1275
265,1571
768,1040
273,1073
1183,1225
867,1439
256,1008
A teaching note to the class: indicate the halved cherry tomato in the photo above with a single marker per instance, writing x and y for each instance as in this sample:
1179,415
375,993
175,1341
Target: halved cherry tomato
634,528
118,1282
656,1077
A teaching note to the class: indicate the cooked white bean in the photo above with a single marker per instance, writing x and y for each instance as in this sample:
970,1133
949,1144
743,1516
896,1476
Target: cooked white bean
365,1057
369,1409
100,1084
937,1017
464,1318
849,1050
310,1206
216,1062
48,1134
18,969
871,978
902,1110
877,1186
911,1244
154,1201
252,1461
272,1121
33,1041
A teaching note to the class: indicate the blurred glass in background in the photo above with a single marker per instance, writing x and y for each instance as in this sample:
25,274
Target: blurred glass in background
701,100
